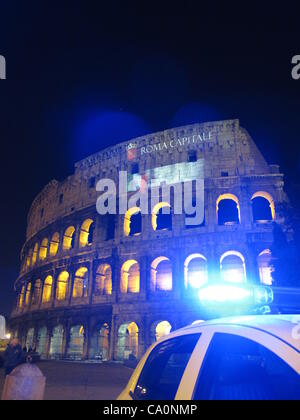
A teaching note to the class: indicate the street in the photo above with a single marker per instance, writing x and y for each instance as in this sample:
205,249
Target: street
81,381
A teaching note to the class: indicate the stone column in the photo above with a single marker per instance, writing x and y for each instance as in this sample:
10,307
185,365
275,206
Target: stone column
86,342
48,341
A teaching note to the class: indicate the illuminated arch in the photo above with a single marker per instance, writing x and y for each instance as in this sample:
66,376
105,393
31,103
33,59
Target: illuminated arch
29,258
230,197
103,280
35,254
75,347
161,274
86,233
68,241
233,267
54,244
195,271
47,289
130,277
37,290
42,342
159,330
132,212
62,285
56,342
265,267
80,287
156,213
128,341
43,249
270,206
99,346
21,297
29,338
28,294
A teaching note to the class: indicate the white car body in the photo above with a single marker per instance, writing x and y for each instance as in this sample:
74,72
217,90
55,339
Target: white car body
278,333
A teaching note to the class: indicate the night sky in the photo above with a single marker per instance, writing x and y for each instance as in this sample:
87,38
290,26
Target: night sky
80,78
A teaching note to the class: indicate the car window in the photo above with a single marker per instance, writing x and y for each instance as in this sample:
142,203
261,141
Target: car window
164,368
236,368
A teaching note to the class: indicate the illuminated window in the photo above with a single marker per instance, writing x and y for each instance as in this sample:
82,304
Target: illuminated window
195,271
75,348
80,288
47,290
62,285
265,267
161,274
228,210
233,267
263,207
35,253
162,217
86,233
160,330
54,243
21,297
68,242
43,249
128,341
103,284
28,259
99,343
36,296
133,222
28,294
56,342
130,277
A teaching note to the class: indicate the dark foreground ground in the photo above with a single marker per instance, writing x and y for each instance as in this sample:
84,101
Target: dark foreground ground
81,381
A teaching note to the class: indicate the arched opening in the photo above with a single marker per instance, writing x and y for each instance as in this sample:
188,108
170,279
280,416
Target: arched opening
128,341
28,294
103,284
36,295
41,342
130,277
228,210
161,274
21,297
160,330
263,207
233,267
86,233
54,244
99,345
56,342
133,222
162,216
195,271
265,267
29,339
69,236
75,348
43,249
62,285
47,289
81,281
35,253
29,258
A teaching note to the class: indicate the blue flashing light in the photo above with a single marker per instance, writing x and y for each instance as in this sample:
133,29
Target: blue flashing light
235,295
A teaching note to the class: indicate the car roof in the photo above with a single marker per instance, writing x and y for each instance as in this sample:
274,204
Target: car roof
284,327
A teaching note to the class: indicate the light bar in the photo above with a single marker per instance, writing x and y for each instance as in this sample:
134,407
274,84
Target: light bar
240,295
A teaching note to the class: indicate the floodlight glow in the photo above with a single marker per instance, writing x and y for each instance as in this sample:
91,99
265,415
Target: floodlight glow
8,336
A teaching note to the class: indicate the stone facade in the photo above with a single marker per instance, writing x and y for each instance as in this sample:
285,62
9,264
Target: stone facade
100,324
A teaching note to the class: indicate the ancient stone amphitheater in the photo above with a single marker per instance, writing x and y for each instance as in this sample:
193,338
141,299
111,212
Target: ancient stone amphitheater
104,287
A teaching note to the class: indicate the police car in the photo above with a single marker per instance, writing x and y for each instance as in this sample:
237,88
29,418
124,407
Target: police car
236,358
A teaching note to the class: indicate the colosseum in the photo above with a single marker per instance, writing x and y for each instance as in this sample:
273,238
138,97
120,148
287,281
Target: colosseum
104,287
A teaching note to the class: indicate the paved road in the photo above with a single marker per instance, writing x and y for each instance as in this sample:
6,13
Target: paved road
82,381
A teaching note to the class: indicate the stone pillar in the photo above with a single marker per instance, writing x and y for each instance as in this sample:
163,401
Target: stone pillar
66,339
113,339
86,342
48,341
